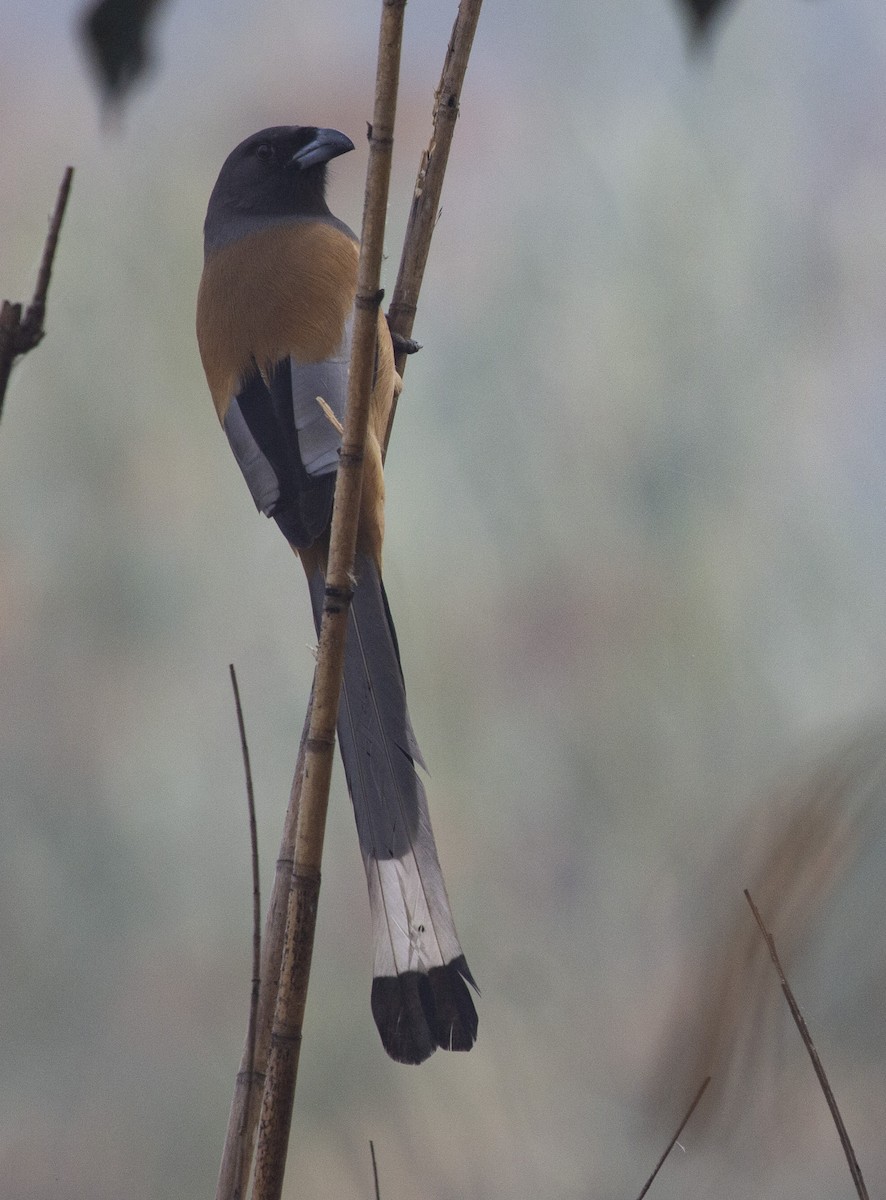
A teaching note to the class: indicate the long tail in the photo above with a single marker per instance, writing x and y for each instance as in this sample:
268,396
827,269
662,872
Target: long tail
420,997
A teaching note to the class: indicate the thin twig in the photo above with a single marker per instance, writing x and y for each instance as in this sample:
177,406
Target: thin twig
238,1148
800,1022
18,333
256,884
374,1169
672,1143
239,1145
429,185
277,1101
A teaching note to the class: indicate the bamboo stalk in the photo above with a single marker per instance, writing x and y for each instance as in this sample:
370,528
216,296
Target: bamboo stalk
239,1147
286,1035
243,1118
429,185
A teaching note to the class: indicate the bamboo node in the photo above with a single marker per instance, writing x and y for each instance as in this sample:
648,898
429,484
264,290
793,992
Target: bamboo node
343,594
370,301
320,745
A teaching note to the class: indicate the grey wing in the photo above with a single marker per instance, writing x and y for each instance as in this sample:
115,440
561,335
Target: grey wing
285,443
318,438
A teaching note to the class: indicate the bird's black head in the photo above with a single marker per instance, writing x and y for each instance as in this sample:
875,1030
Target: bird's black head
277,173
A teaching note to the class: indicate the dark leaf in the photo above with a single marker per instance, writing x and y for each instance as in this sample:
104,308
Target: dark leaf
115,34
701,14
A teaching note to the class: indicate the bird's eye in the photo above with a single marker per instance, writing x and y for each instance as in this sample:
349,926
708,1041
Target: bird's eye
264,150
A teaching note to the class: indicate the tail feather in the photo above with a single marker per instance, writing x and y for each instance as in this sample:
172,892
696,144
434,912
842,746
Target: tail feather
420,996
416,1012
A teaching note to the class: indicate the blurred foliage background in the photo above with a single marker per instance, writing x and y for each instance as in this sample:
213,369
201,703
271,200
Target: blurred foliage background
635,550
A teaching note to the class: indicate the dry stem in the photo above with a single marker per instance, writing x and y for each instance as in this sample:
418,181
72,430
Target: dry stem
374,1170
240,1143
799,1020
277,1101
429,185
19,334
239,1146
672,1143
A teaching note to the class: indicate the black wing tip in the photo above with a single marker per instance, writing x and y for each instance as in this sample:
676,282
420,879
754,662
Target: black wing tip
420,1011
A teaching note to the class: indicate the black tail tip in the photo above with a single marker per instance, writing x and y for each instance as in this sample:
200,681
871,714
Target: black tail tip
419,1011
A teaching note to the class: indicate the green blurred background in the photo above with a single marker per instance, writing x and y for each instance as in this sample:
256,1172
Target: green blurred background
635,550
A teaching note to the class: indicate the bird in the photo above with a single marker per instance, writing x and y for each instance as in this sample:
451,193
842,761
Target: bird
275,312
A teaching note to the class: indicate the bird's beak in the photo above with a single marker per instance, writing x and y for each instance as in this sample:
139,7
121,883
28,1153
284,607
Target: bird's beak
326,144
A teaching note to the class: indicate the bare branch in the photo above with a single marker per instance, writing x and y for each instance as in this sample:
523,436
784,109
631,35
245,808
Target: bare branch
672,1143
239,1147
374,1170
429,187
243,1154
800,1022
18,333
